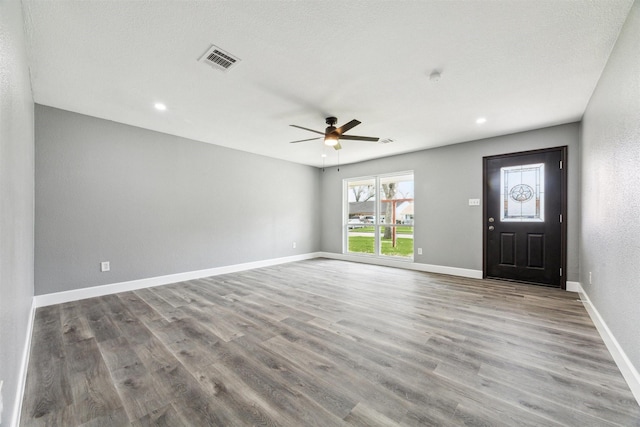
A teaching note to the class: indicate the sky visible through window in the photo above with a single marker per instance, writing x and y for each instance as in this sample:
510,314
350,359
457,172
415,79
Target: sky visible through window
405,187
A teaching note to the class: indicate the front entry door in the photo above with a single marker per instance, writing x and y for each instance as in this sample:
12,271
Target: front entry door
524,217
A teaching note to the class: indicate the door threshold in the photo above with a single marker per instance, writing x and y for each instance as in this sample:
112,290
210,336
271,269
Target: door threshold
524,282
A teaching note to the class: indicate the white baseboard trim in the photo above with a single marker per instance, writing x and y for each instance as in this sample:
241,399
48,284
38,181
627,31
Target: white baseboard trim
22,376
97,291
429,268
132,285
573,286
629,372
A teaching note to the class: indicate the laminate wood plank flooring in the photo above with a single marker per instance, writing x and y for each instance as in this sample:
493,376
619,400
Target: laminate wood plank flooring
324,343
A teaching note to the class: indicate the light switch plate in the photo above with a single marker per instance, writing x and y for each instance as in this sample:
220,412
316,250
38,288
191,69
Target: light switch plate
474,202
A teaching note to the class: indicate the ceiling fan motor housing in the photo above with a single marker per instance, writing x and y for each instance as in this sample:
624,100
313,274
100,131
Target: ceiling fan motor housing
331,121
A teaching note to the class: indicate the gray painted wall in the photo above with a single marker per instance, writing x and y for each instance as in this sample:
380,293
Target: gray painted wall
153,204
610,232
16,202
446,228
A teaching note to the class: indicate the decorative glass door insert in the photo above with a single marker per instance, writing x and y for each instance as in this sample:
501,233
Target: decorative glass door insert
522,193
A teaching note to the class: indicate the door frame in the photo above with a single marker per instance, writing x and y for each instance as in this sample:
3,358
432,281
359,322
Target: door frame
563,225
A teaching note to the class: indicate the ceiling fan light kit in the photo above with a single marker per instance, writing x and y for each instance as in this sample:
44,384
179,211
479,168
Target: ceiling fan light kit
333,135
331,140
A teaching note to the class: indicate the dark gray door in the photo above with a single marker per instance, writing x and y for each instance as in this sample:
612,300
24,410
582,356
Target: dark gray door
524,217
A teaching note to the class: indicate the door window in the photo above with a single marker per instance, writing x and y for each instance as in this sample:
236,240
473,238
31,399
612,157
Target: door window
522,193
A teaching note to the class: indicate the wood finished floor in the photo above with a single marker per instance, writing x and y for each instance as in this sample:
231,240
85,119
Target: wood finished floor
324,343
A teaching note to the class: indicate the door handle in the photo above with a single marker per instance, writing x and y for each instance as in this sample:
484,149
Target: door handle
491,219
491,228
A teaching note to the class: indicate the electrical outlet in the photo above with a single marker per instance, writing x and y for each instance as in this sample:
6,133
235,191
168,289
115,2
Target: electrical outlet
294,245
419,251
105,266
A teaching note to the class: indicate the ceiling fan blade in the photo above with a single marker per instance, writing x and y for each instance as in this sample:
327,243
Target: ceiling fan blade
360,138
304,140
337,146
345,127
310,130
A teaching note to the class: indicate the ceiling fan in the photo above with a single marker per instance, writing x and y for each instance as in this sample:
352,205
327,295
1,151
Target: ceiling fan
333,135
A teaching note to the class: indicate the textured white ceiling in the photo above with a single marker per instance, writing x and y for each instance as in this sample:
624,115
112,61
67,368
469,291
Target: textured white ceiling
520,64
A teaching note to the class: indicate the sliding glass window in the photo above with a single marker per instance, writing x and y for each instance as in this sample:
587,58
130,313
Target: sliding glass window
379,217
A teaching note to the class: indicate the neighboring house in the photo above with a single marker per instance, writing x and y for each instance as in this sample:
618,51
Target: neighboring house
404,213
366,210
361,209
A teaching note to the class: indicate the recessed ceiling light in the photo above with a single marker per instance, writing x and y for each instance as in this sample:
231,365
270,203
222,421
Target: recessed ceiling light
324,155
160,106
481,120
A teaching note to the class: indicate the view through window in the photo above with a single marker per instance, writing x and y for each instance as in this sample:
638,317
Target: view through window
379,215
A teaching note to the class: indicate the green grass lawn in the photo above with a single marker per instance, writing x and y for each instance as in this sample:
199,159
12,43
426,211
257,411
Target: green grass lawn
401,229
365,244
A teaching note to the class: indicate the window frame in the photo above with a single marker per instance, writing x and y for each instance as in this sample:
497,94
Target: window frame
377,225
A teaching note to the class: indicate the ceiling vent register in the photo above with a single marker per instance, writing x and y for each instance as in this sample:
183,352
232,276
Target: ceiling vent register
219,59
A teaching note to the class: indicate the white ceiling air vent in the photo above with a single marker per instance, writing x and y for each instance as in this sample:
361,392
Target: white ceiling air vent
219,59
385,140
